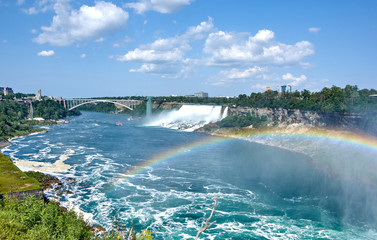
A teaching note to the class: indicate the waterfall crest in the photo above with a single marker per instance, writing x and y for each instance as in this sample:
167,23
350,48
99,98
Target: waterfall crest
189,117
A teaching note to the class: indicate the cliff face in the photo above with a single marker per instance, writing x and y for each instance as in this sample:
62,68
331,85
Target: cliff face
319,119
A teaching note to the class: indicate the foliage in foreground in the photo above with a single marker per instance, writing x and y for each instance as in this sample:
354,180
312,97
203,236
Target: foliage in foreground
34,219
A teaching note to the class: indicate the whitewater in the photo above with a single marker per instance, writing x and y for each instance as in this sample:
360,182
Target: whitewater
264,192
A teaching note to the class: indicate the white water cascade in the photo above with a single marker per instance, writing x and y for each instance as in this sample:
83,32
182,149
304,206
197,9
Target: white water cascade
189,117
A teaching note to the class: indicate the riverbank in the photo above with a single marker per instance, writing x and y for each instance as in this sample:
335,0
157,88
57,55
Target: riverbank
4,144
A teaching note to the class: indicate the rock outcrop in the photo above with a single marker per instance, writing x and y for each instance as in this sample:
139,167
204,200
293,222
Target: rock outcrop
281,116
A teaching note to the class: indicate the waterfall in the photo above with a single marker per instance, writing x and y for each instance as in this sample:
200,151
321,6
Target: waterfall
189,117
225,113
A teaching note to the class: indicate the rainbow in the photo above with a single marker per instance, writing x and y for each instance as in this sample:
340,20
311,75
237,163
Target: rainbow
328,135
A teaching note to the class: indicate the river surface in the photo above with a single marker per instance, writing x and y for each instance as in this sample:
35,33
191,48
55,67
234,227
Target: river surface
263,192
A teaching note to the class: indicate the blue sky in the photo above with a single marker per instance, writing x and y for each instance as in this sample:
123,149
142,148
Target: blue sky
163,47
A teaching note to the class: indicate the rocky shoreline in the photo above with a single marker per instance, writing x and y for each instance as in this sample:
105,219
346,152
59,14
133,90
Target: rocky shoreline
4,144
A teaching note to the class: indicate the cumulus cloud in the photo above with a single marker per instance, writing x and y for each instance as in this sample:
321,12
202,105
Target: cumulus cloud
20,2
44,6
45,53
161,6
228,76
295,81
156,56
87,23
243,57
83,55
314,29
236,74
232,49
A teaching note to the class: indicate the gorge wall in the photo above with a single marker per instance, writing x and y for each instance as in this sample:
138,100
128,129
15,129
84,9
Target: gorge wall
319,119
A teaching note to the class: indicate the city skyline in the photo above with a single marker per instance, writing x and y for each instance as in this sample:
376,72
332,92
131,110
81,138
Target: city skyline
160,48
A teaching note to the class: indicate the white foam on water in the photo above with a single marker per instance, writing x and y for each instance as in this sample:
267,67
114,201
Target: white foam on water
57,166
188,117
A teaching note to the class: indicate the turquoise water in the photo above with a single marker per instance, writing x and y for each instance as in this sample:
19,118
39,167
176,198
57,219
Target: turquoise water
263,192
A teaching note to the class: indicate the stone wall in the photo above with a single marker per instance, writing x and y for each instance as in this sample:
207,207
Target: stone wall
38,193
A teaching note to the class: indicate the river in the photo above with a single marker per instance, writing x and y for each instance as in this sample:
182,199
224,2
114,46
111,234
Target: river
263,192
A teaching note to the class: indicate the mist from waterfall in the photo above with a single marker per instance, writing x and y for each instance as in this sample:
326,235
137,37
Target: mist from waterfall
189,117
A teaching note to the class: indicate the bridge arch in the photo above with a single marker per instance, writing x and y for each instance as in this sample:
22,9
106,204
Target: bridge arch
100,100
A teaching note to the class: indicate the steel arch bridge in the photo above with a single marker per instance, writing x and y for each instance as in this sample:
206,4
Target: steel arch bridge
74,103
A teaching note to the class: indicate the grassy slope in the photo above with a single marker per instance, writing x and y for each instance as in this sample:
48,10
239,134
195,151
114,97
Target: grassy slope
12,178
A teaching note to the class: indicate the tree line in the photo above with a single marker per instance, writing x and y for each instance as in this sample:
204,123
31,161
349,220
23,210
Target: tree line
335,99
349,99
13,116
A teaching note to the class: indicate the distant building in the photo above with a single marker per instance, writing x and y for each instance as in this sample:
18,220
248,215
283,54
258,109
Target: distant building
201,94
39,95
286,88
6,90
267,89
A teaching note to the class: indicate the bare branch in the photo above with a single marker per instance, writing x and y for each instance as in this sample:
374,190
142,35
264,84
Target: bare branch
206,226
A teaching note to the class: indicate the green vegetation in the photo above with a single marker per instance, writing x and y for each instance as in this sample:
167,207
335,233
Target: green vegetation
335,99
13,179
349,99
239,121
105,107
53,110
138,111
13,117
34,219
12,123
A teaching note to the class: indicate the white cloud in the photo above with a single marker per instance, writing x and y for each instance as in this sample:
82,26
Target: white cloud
242,57
236,74
229,76
44,6
162,6
20,2
4,41
314,29
229,49
84,24
156,56
33,31
99,40
200,31
121,43
153,55
83,55
45,53
295,80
